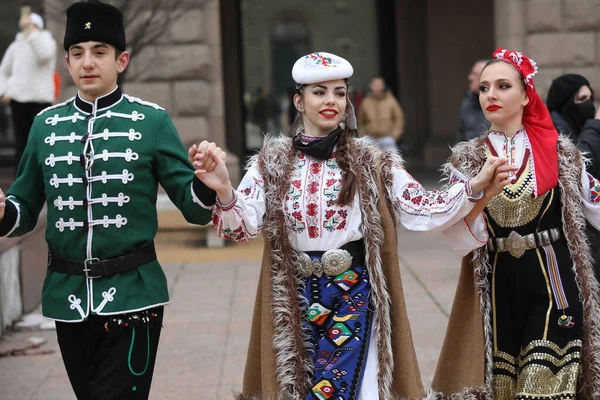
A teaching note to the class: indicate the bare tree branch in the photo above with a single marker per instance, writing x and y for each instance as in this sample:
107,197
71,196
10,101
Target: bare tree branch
146,21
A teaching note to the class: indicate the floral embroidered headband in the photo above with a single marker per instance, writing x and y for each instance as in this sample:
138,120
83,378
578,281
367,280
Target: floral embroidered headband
526,66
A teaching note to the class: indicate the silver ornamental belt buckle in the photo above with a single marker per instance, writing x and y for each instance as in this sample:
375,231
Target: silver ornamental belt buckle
333,262
516,244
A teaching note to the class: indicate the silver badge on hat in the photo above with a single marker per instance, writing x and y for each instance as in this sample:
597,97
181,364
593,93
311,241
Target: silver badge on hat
88,25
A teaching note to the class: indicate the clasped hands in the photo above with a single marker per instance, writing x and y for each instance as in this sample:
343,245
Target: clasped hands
209,166
495,174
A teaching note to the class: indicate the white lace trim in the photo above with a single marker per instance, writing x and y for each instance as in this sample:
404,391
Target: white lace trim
107,297
55,119
128,155
64,103
132,99
18,221
69,180
104,200
105,222
118,221
51,160
60,204
134,116
76,305
52,139
70,224
121,199
104,177
132,135
196,200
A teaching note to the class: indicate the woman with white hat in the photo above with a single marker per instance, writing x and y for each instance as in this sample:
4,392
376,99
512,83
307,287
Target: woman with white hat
330,319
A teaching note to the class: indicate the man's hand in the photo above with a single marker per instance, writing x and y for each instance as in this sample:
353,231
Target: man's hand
197,155
2,205
218,178
5,98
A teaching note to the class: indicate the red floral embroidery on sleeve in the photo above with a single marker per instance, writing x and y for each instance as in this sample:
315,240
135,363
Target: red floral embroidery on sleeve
594,189
418,201
237,234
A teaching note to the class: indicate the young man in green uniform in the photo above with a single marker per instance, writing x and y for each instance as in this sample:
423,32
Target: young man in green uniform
96,160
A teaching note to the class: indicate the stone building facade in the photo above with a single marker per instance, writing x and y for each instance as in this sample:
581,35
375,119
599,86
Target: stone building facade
181,72
340,27
435,44
562,36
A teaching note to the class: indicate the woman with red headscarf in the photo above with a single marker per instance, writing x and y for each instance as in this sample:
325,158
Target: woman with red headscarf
525,323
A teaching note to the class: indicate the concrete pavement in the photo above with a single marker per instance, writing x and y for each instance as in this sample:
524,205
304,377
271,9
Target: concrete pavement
206,327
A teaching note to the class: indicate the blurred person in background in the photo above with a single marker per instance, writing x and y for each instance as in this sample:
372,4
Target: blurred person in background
26,75
380,116
571,104
472,120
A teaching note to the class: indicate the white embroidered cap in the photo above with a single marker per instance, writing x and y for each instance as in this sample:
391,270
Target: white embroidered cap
320,67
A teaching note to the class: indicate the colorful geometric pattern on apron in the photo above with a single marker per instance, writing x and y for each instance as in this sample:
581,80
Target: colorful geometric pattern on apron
340,320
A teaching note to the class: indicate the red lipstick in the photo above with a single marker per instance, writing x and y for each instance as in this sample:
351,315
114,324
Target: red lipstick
493,107
328,113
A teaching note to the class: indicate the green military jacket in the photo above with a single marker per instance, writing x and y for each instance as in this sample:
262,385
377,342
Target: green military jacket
109,210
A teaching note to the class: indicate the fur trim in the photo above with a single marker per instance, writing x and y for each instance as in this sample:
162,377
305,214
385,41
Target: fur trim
480,260
292,343
574,223
292,340
468,158
363,163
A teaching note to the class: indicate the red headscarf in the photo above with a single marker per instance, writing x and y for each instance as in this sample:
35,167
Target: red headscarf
541,132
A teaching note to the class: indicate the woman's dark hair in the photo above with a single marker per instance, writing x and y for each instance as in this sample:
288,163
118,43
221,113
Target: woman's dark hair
496,61
345,147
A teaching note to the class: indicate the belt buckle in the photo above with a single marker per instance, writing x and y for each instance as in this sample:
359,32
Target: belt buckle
87,263
304,265
336,261
516,244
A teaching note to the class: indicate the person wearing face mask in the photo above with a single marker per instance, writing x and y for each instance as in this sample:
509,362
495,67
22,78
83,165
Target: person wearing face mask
330,318
571,104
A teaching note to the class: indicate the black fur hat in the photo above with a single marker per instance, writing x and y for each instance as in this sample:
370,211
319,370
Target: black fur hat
94,21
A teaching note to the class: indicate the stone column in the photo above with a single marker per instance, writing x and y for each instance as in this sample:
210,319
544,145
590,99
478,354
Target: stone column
509,23
562,36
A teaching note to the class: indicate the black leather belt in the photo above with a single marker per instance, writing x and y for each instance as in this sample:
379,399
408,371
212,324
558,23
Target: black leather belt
96,268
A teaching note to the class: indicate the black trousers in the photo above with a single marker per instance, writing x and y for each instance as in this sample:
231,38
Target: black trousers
111,357
22,117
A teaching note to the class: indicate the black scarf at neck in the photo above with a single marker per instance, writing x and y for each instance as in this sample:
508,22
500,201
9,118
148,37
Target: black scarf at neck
321,149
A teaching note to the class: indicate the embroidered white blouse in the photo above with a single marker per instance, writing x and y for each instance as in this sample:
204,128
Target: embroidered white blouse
318,223
465,238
